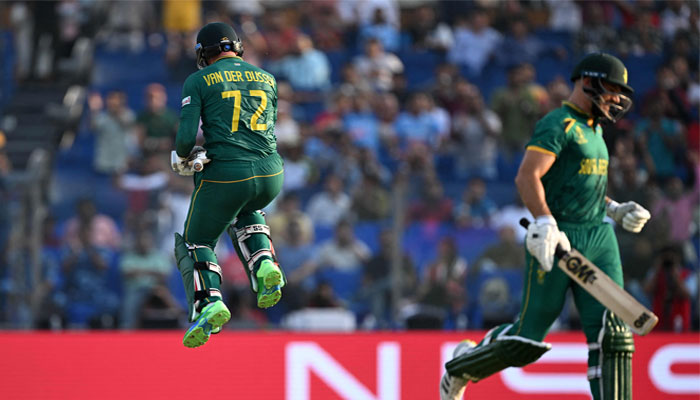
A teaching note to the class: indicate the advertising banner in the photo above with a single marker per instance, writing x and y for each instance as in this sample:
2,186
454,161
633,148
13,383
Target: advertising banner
293,366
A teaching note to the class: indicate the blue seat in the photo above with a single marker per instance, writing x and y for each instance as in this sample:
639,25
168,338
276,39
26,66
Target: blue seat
344,283
642,73
368,232
419,66
337,59
472,242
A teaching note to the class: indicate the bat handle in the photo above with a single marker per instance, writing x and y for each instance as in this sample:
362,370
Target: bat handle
559,252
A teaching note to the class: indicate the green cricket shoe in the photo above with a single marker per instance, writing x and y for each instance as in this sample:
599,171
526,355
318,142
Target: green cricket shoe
270,283
212,317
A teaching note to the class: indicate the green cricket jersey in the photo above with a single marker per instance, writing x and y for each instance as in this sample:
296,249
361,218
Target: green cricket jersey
237,103
576,184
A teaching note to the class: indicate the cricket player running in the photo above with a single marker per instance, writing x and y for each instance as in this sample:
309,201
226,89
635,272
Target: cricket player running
562,181
236,173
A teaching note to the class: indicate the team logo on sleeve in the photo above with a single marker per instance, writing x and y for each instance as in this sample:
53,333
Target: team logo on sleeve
186,100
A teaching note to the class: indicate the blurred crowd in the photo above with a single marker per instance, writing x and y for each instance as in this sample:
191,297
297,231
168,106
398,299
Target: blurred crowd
398,205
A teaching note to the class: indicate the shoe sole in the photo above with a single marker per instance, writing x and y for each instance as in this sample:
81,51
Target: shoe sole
273,290
198,336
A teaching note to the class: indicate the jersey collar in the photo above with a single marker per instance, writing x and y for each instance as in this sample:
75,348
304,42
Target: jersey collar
223,57
590,120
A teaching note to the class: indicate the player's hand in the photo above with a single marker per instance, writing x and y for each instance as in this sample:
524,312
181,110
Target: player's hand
542,239
197,158
180,164
630,215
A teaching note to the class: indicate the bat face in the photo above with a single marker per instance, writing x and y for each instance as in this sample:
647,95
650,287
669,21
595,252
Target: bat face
607,292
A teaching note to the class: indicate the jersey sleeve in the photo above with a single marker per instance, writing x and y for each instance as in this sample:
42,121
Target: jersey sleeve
189,117
549,137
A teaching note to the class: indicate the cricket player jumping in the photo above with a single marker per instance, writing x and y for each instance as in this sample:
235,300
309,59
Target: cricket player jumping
562,181
236,173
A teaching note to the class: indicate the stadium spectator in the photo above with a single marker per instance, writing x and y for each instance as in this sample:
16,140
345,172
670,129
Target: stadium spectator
476,208
292,254
520,46
289,209
101,229
677,207
564,15
358,13
444,282
304,67
661,140
675,16
279,33
386,107
360,123
510,216
378,66
370,200
326,208
643,37
558,90
156,123
433,207
427,32
419,124
666,288
299,170
598,34
287,128
378,280
86,292
670,93
379,28
112,122
519,105
507,253
143,268
143,187
475,43
344,253
475,133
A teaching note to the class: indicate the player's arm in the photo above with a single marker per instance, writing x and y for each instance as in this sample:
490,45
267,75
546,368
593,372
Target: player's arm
189,118
543,235
528,181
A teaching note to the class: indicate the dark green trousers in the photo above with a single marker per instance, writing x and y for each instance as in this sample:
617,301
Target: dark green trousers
226,190
544,294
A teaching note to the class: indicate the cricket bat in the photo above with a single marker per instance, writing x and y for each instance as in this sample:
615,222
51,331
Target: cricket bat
596,282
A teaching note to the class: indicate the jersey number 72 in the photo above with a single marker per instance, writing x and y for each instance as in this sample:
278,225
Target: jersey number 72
236,94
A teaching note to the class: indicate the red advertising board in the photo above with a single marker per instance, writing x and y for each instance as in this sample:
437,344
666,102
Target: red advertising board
292,366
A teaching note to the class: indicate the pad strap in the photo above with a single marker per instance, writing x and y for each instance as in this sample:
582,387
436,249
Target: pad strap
209,266
257,255
247,231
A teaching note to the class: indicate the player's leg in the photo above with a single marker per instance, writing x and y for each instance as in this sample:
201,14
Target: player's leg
519,343
610,342
251,235
211,209
251,238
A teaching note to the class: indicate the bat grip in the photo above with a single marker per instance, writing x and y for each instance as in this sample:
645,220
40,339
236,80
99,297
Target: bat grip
559,252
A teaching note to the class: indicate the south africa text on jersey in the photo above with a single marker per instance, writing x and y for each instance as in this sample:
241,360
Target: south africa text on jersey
238,76
593,166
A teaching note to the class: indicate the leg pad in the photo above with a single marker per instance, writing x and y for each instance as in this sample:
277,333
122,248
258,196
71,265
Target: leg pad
495,355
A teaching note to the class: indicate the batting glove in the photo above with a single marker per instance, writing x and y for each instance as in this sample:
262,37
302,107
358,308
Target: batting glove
630,215
180,164
542,239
